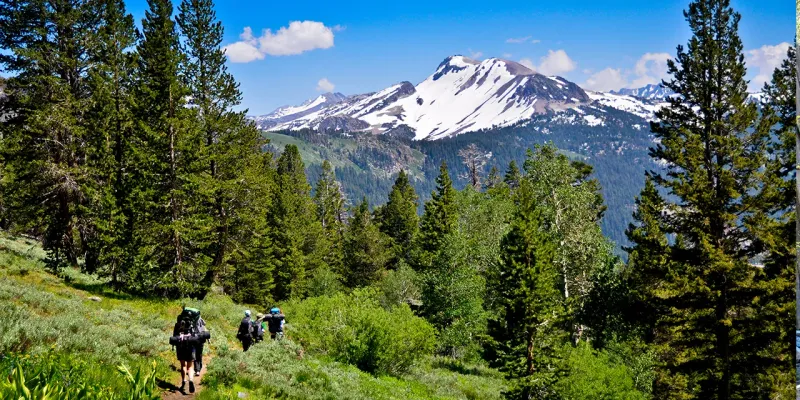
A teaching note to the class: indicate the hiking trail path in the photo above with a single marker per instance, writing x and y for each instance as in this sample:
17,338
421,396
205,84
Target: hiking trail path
173,391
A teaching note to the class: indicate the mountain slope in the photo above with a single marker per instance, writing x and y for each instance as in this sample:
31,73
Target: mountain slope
462,95
648,92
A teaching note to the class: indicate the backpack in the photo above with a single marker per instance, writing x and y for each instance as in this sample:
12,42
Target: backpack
190,316
245,329
276,323
258,329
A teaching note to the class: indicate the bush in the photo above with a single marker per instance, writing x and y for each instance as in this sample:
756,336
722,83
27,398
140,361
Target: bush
593,374
356,330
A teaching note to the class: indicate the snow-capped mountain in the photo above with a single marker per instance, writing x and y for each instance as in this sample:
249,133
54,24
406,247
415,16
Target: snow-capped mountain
649,92
462,95
289,113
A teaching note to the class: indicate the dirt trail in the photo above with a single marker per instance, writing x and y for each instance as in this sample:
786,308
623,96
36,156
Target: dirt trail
173,392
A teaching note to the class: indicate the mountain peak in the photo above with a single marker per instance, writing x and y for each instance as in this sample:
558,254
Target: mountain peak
648,92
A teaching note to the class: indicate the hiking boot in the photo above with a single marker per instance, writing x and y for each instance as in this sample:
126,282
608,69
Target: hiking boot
191,386
183,384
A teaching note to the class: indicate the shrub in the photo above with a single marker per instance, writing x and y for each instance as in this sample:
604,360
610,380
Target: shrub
593,374
356,330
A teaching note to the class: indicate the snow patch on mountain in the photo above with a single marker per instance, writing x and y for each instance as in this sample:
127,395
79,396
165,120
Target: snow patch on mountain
462,95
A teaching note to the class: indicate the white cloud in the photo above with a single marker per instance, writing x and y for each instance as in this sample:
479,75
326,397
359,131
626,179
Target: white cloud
605,80
297,38
556,62
518,40
507,55
528,63
650,69
763,62
324,85
588,71
526,39
476,55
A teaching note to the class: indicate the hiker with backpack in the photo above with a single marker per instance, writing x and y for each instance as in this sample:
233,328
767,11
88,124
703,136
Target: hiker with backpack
258,328
203,336
184,342
245,334
275,320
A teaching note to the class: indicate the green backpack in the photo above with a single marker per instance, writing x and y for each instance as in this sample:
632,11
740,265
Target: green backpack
190,316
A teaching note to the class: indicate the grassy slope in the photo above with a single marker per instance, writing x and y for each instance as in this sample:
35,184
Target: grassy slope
42,314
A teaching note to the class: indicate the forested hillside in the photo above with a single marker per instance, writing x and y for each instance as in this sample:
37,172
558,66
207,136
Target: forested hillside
482,266
366,164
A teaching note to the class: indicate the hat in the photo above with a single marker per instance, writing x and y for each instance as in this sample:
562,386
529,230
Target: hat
259,315
275,310
247,312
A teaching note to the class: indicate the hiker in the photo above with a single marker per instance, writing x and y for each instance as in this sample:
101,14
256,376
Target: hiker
258,328
184,341
275,320
245,334
198,349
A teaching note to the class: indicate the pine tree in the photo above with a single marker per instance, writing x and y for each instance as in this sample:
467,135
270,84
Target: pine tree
714,147
296,234
529,327
513,175
366,250
329,201
440,217
44,138
493,179
171,228
230,142
775,225
398,218
111,121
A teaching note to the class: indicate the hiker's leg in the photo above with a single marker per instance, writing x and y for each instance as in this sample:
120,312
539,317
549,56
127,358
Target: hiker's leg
198,358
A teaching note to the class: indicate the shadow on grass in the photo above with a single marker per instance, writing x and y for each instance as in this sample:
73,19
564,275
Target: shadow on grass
101,289
460,368
164,385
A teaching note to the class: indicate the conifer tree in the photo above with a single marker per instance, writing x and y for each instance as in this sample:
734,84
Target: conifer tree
713,144
512,176
775,224
440,217
529,328
493,179
230,143
44,138
366,250
111,122
171,229
329,201
296,234
398,218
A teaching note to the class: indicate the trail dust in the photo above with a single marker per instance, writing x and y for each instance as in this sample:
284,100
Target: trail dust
173,391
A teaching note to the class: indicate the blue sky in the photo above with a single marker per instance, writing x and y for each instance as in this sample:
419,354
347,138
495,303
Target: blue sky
358,47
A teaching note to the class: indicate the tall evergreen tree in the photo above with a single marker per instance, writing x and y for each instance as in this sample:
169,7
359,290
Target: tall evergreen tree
714,147
44,138
230,142
330,204
366,249
296,234
171,230
775,225
529,327
512,176
493,179
111,121
398,218
440,217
